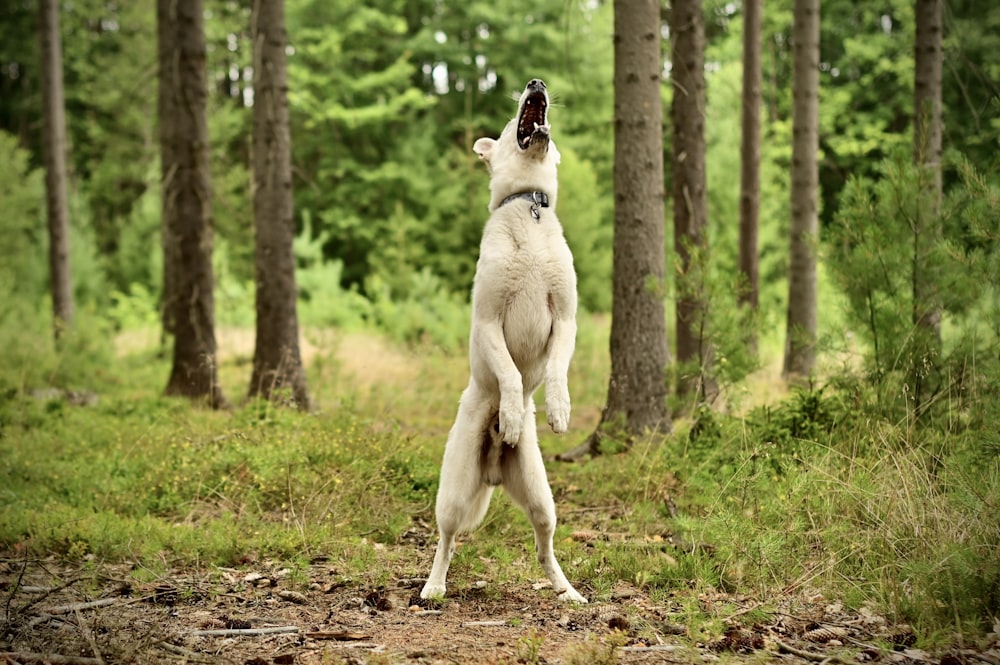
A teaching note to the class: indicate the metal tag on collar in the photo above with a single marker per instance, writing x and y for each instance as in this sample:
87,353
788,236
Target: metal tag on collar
536,203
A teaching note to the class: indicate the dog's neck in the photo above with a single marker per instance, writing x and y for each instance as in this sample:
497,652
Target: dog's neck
538,200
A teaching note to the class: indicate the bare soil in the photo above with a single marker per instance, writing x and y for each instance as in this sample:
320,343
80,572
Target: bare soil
90,613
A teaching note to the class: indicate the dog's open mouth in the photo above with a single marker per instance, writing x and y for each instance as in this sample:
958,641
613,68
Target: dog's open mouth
533,114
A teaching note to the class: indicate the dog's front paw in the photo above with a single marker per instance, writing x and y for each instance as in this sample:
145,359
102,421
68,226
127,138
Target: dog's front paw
557,409
511,420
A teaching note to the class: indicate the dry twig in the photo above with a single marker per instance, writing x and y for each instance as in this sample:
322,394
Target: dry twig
51,658
244,632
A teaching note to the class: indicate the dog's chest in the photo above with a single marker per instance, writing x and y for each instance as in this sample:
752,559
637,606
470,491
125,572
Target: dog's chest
524,272
525,258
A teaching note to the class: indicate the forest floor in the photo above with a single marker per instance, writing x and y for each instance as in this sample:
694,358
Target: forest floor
99,614
87,611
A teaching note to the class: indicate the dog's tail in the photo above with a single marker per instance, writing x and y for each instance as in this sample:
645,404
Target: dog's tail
491,456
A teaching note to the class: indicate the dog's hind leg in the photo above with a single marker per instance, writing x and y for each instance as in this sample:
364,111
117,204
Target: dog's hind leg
463,496
527,485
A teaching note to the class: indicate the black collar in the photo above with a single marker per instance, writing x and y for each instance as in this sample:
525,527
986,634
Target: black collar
538,200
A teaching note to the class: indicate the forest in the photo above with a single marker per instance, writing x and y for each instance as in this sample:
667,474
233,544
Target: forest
849,460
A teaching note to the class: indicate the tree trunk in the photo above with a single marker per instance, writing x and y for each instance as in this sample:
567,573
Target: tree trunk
54,130
800,345
277,362
694,350
187,193
637,390
927,89
750,165
165,111
926,154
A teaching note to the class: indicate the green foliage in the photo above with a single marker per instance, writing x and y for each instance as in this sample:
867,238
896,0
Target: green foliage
22,227
81,363
109,65
429,313
886,239
971,88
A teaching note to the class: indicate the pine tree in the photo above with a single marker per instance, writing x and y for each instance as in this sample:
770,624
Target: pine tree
694,349
926,226
750,163
54,148
277,361
637,390
187,192
800,344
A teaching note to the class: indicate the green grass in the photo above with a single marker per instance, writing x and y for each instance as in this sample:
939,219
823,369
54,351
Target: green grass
812,494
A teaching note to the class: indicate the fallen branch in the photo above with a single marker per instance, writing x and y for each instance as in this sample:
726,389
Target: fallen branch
43,618
340,636
89,634
244,632
186,654
52,658
482,624
74,607
41,593
811,655
654,647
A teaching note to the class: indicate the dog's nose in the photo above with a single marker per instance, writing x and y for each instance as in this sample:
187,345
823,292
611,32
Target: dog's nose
536,84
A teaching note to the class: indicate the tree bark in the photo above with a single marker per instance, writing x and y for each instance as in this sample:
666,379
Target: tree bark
927,156
928,58
800,345
277,362
187,193
637,389
749,297
694,349
54,148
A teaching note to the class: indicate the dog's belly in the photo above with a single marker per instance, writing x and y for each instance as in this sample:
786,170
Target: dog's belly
527,328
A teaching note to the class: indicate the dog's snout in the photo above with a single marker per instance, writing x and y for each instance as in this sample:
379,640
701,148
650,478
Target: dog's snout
536,84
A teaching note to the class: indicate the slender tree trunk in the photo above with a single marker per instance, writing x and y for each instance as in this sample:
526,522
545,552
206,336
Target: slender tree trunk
54,130
928,58
800,346
187,193
750,164
637,389
694,349
277,362
166,112
927,155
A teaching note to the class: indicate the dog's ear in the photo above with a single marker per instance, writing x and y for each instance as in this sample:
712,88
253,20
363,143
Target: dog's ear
484,148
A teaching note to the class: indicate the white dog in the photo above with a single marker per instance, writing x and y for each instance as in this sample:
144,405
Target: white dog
523,333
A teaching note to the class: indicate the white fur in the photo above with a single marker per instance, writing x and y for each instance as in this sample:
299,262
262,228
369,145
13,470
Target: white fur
523,334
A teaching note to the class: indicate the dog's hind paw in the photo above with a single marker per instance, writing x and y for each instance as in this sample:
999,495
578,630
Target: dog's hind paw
435,591
571,595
